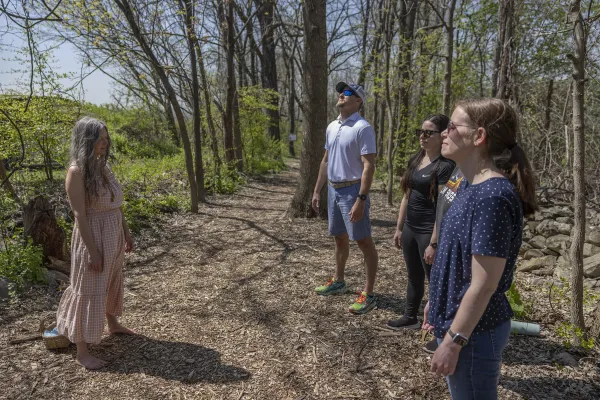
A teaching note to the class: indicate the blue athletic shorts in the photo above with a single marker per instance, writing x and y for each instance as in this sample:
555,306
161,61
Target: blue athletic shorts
339,204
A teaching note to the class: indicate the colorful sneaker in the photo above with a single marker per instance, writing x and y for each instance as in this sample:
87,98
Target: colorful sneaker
363,304
431,346
331,287
404,323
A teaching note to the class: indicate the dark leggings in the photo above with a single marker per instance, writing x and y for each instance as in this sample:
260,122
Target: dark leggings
413,248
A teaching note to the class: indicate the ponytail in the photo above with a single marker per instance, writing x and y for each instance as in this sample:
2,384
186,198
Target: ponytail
501,125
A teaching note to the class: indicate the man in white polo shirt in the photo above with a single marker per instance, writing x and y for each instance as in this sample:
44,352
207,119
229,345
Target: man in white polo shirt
348,167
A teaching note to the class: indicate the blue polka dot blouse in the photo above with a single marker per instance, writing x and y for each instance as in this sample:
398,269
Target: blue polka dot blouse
484,219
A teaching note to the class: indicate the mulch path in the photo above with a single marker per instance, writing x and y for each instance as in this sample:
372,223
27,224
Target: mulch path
223,304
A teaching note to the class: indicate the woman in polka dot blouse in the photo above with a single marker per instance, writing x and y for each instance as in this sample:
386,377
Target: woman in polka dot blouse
479,242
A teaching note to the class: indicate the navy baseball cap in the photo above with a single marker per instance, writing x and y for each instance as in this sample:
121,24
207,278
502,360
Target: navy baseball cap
360,92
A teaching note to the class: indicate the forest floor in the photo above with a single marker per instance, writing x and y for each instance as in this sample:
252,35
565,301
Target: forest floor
224,306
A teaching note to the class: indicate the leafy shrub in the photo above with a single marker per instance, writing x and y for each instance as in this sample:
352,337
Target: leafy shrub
261,153
22,263
514,298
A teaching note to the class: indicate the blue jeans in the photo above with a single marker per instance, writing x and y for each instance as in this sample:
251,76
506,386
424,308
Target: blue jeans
339,204
478,368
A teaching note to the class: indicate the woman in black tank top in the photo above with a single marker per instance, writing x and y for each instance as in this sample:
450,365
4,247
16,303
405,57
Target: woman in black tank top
427,170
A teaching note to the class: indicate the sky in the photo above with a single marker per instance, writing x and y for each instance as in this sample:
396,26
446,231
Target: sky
96,86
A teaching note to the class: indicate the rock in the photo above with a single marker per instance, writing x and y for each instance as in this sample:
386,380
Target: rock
538,280
565,220
593,238
524,248
591,266
527,235
57,276
537,263
590,250
550,252
537,216
547,228
550,228
538,242
546,271
590,283
564,358
562,271
564,229
533,253
555,212
4,293
595,220
532,225
558,242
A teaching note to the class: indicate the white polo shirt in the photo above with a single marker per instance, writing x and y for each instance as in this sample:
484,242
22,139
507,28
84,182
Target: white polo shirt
346,142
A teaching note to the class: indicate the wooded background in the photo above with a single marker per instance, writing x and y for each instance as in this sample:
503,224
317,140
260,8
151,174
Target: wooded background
206,93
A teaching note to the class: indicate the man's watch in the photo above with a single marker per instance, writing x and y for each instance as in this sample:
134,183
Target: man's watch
433,245
458,338
363,197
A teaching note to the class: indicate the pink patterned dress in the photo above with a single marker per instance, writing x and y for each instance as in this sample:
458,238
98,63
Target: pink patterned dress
81,312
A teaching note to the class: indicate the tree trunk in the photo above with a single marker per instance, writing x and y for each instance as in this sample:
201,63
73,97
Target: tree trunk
208,111
291,108
547,121
39,223
449,21
265,14
228,39
6,185
363,50
191,35
505,51
125,7
315,108
391,105
237,133
578,236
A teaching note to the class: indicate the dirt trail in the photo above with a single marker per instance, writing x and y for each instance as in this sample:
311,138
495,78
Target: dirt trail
224,305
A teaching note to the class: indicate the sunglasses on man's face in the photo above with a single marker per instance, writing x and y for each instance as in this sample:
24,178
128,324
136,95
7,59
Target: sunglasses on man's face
348,93
426,133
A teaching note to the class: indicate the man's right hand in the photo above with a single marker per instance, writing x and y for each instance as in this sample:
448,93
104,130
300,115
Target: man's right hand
398,238
315,202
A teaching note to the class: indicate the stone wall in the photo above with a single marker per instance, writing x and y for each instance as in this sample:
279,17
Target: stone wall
546,243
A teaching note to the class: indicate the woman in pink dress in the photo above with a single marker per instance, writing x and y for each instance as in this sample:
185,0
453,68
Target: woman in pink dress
100,240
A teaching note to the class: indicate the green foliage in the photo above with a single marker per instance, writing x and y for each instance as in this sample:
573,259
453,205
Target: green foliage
514,298
261,153
568,332
45,126
22,263
226,180
152,187
136,132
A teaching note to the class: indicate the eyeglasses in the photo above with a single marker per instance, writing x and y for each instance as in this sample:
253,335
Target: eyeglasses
452,126
348,93
426,133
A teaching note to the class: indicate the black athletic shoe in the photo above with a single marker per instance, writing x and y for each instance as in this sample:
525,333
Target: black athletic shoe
404,323
431,346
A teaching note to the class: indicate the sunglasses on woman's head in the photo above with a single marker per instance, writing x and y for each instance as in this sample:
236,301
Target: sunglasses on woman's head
348,93
425,132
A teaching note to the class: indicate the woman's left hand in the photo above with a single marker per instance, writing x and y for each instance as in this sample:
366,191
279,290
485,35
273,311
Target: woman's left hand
445,358
429,255
128,243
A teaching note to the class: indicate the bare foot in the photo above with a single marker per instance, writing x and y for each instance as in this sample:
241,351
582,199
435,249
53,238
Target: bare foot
90,362
118,328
